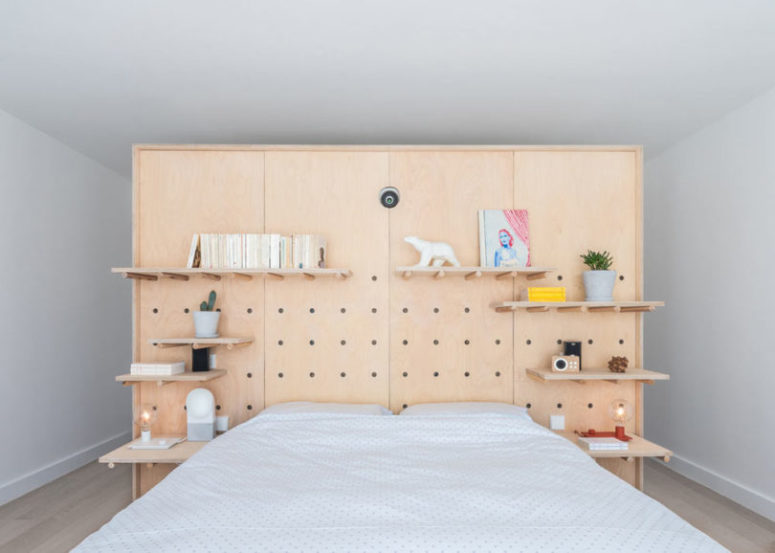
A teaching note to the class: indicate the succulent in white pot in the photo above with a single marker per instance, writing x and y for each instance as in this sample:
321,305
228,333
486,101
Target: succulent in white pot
206,319
599,280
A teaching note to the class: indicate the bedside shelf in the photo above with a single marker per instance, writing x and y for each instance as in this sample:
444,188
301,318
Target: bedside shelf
200,343
578,306
188,376
469,273
179,453
638,447
180,273
586,375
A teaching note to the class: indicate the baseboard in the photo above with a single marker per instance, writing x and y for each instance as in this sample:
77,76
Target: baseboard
39,477
739,493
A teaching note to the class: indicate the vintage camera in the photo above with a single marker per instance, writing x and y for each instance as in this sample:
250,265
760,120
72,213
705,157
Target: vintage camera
389,197
565,364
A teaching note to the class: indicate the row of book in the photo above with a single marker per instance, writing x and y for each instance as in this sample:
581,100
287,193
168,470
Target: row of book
257,251
157,369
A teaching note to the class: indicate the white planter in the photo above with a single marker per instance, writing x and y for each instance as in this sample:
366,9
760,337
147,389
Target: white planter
599,285
206,323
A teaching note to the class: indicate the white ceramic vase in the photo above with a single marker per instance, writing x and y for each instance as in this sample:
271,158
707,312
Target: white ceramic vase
206,323
599,285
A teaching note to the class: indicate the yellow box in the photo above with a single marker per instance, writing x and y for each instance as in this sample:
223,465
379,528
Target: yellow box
546,293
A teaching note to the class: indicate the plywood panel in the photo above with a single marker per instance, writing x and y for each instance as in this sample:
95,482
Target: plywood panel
578,201
179,193
446,343
328,340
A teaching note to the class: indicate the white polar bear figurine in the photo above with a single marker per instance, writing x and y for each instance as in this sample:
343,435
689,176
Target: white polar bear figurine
436,252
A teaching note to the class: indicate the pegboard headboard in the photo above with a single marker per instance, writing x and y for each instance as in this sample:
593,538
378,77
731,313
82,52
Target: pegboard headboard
378,337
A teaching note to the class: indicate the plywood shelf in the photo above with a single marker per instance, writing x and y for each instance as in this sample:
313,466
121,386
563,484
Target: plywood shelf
200,343
179,273
188,376
637,447
587,375
469,273
578,306
179,453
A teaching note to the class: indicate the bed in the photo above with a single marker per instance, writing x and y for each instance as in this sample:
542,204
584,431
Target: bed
338,482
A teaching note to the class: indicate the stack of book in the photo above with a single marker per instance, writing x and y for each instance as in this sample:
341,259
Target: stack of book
257,251
157,369
603,444
544,294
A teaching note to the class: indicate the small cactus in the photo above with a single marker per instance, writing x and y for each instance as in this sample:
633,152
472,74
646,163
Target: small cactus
208,305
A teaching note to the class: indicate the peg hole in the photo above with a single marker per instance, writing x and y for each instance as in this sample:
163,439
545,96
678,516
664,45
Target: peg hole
528,405
435,309
435,373
281,310
373,309
559,406
312,374
343,310
497,373
528,341
405,342
312,342
590,405
467,310
621,277
559,277
311,309
249,375
373,342
374,278
466,374
621,341
404,406
155,309
250,310
559,341
404,374
186,310
342,374
250,407
280,375
218,310
405,310
497,342
374,374
279,342
343,342
217,407
435,342
466,342
590,341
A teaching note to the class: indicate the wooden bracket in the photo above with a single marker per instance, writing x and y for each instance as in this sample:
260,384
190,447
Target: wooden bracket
566,309
407,274
140,276
610,308
510,274
235,346
475,274
275,276
537,309
637,309
169,345
241,276
175,276
308,276
505,308
344,274
439,274
211,276
536,276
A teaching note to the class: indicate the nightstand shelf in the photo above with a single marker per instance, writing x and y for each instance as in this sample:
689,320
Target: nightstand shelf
188,376
469,273
596,375
578,306
179,453
637,447
181,273
201,343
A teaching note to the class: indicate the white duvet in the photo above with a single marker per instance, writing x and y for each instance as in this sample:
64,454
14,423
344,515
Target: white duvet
333,483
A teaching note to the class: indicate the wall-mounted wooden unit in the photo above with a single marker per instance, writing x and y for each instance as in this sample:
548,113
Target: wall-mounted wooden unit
578,306
378,334
597,375
201,343
188,376
179,273
469,273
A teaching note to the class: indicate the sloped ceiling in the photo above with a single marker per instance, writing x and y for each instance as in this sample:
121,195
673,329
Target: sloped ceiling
100,75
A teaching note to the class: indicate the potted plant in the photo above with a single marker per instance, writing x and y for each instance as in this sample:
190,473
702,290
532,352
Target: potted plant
599,280
206,319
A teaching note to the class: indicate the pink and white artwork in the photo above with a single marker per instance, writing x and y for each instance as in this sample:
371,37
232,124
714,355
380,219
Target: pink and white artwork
504,240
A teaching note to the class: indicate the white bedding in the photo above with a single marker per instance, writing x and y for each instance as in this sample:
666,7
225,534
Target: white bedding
337,483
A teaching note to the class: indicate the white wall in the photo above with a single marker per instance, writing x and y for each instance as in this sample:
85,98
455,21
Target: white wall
710,253
65,329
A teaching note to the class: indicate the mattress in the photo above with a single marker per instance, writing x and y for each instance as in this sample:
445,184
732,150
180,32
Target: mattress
334,483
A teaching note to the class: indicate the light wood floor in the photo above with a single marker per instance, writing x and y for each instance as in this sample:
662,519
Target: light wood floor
58,516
